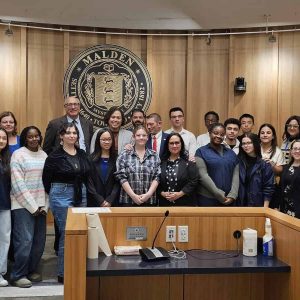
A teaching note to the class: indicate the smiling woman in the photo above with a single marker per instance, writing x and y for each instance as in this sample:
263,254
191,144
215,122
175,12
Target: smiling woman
218,168
257,183
179,176
29,204
65,178
138,171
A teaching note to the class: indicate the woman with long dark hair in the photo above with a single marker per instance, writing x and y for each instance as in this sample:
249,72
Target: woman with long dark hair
9,122
218,169
289,201
179,176
256,175
29,204
291,132
106,187
65,178
115,119
270,152
5,228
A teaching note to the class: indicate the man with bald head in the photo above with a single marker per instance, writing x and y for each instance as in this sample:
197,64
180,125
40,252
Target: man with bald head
85,127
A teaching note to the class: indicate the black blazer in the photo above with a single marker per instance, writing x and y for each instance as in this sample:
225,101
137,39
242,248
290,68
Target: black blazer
100,190
52,140
162,143
187,181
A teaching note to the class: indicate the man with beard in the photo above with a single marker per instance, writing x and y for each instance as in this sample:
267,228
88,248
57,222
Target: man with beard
137,117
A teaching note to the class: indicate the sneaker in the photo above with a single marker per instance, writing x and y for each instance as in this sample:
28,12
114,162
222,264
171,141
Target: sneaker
22,283
3,282
35,277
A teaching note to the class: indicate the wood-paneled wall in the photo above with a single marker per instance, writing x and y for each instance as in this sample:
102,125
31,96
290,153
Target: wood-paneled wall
185,71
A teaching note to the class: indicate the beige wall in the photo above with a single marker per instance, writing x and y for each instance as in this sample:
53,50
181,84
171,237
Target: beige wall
185,71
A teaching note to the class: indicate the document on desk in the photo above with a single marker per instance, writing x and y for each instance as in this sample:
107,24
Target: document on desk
90,210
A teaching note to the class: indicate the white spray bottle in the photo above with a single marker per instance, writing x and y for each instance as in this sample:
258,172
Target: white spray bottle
268,240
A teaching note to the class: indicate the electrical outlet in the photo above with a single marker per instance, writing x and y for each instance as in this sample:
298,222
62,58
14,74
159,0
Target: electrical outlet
183,234
170,234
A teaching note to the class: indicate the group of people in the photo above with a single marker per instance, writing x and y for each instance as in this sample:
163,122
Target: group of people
74,166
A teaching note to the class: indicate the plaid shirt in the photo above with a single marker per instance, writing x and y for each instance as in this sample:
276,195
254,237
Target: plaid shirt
139,174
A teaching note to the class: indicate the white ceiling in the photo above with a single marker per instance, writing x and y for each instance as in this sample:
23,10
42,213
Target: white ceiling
154,14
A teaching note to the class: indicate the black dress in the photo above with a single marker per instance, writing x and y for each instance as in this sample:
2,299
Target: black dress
289,198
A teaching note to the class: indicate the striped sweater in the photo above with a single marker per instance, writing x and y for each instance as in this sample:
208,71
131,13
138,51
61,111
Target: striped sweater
27,190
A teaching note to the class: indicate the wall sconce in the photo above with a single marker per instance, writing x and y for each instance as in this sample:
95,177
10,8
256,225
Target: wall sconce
8,31
272,38
208,40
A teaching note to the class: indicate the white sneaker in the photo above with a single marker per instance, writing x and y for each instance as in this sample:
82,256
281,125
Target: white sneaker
3,282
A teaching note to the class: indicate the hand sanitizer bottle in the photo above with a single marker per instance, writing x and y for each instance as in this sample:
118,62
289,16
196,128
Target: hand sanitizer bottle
268,240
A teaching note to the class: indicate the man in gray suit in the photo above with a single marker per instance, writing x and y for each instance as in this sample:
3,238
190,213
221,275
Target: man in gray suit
85,127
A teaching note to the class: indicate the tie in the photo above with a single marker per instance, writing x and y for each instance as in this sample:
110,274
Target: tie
154,146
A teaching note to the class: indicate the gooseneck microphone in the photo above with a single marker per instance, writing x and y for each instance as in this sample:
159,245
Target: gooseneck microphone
155,253
166,215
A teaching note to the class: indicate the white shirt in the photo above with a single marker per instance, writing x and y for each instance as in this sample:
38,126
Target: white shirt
236,147
81,135
277,158
203,139
188,138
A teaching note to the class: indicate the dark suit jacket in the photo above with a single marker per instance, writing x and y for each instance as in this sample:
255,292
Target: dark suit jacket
162,143
108,190
187,181
52,140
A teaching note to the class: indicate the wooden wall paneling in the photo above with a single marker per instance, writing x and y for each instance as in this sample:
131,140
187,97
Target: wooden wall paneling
209,77
75,273
287,248
204,232
133,43
13,74
80,41
168,75
288,78
45,76
224,287
256,59
66,50
190,103
133,287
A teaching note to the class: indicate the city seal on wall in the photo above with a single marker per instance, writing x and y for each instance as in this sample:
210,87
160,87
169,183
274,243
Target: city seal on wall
108,75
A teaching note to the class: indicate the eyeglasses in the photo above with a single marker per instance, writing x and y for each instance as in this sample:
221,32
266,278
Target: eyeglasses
174,143
295,149
292,126
246,143
105,140
72,104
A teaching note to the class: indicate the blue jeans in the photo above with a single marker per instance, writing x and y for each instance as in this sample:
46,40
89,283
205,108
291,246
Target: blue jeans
61,198
29,237
5,230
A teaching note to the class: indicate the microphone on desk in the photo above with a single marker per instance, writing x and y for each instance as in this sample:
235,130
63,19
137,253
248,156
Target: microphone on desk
155,253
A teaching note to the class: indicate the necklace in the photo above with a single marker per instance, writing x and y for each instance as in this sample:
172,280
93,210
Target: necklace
70,152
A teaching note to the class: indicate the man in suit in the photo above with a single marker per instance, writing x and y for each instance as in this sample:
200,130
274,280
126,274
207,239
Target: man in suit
157,138
85,127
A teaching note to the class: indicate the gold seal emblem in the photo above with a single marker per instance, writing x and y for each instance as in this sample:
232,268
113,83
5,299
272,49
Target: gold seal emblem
108,75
